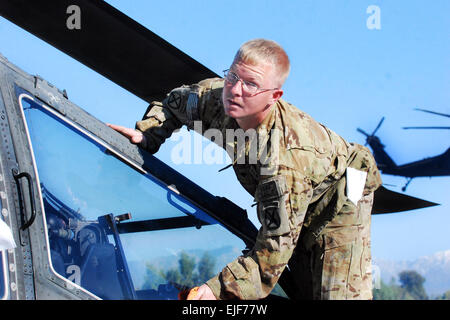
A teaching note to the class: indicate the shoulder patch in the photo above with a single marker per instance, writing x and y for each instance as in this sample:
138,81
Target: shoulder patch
272,197
174,101
177,98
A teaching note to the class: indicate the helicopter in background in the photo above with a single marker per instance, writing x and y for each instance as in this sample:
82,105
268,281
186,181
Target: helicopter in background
429,167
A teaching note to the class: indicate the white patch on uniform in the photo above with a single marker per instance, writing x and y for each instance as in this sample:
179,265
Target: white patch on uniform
356,180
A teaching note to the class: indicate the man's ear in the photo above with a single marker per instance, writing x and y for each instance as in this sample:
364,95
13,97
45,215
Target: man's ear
276,94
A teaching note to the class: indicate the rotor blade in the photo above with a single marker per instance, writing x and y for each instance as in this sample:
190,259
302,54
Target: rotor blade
378,126
434,112
388,201
390,185
447,128
110,43
362,131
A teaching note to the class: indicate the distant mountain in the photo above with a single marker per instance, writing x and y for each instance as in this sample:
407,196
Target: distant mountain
435,269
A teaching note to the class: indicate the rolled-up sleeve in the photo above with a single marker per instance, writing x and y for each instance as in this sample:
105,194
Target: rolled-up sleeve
182,106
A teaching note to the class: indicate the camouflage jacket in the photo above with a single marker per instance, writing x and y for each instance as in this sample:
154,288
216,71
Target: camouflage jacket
291,164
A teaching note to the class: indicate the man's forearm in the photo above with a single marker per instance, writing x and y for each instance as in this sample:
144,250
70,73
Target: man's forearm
157,125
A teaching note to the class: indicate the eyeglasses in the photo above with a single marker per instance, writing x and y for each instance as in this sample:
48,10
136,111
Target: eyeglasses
247,86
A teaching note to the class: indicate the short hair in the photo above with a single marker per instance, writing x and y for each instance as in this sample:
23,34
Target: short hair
262,50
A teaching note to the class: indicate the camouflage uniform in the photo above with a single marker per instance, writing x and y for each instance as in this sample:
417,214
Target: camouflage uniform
299,183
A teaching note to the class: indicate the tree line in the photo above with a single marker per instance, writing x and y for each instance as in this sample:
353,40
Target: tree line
191,272
410,288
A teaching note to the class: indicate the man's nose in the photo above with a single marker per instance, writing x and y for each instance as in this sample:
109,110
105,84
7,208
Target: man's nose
236,89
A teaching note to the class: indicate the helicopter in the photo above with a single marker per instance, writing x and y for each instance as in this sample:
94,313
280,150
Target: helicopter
429,167
76,236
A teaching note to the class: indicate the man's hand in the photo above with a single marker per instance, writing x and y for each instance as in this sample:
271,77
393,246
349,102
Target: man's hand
135,136
204,293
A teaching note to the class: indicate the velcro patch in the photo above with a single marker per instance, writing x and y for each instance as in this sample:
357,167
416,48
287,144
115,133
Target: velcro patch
192,106
271,188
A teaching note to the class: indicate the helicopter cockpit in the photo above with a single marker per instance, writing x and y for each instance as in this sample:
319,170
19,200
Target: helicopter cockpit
113,230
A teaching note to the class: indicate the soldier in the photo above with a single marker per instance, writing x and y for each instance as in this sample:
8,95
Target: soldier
313,189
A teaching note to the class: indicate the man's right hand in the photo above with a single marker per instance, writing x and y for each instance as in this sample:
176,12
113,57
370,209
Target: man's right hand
133,135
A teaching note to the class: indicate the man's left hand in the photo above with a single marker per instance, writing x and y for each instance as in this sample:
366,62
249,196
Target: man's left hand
204,293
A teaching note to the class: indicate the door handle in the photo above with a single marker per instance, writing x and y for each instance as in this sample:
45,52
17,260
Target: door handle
17,176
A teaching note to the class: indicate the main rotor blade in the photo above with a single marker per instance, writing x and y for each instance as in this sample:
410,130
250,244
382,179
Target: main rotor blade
362,131
111,43
378,126
434,112
447,128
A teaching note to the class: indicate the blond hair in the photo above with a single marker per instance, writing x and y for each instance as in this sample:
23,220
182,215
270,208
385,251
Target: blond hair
267,51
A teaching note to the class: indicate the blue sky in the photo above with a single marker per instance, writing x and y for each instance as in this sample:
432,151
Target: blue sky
343,74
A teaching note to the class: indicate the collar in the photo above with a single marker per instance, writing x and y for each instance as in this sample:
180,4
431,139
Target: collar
258,141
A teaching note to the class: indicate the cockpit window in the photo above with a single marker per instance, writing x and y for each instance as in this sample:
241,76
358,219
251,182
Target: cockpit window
113,230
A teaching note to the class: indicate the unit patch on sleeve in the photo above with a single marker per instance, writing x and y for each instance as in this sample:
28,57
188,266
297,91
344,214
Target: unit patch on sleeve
271,196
